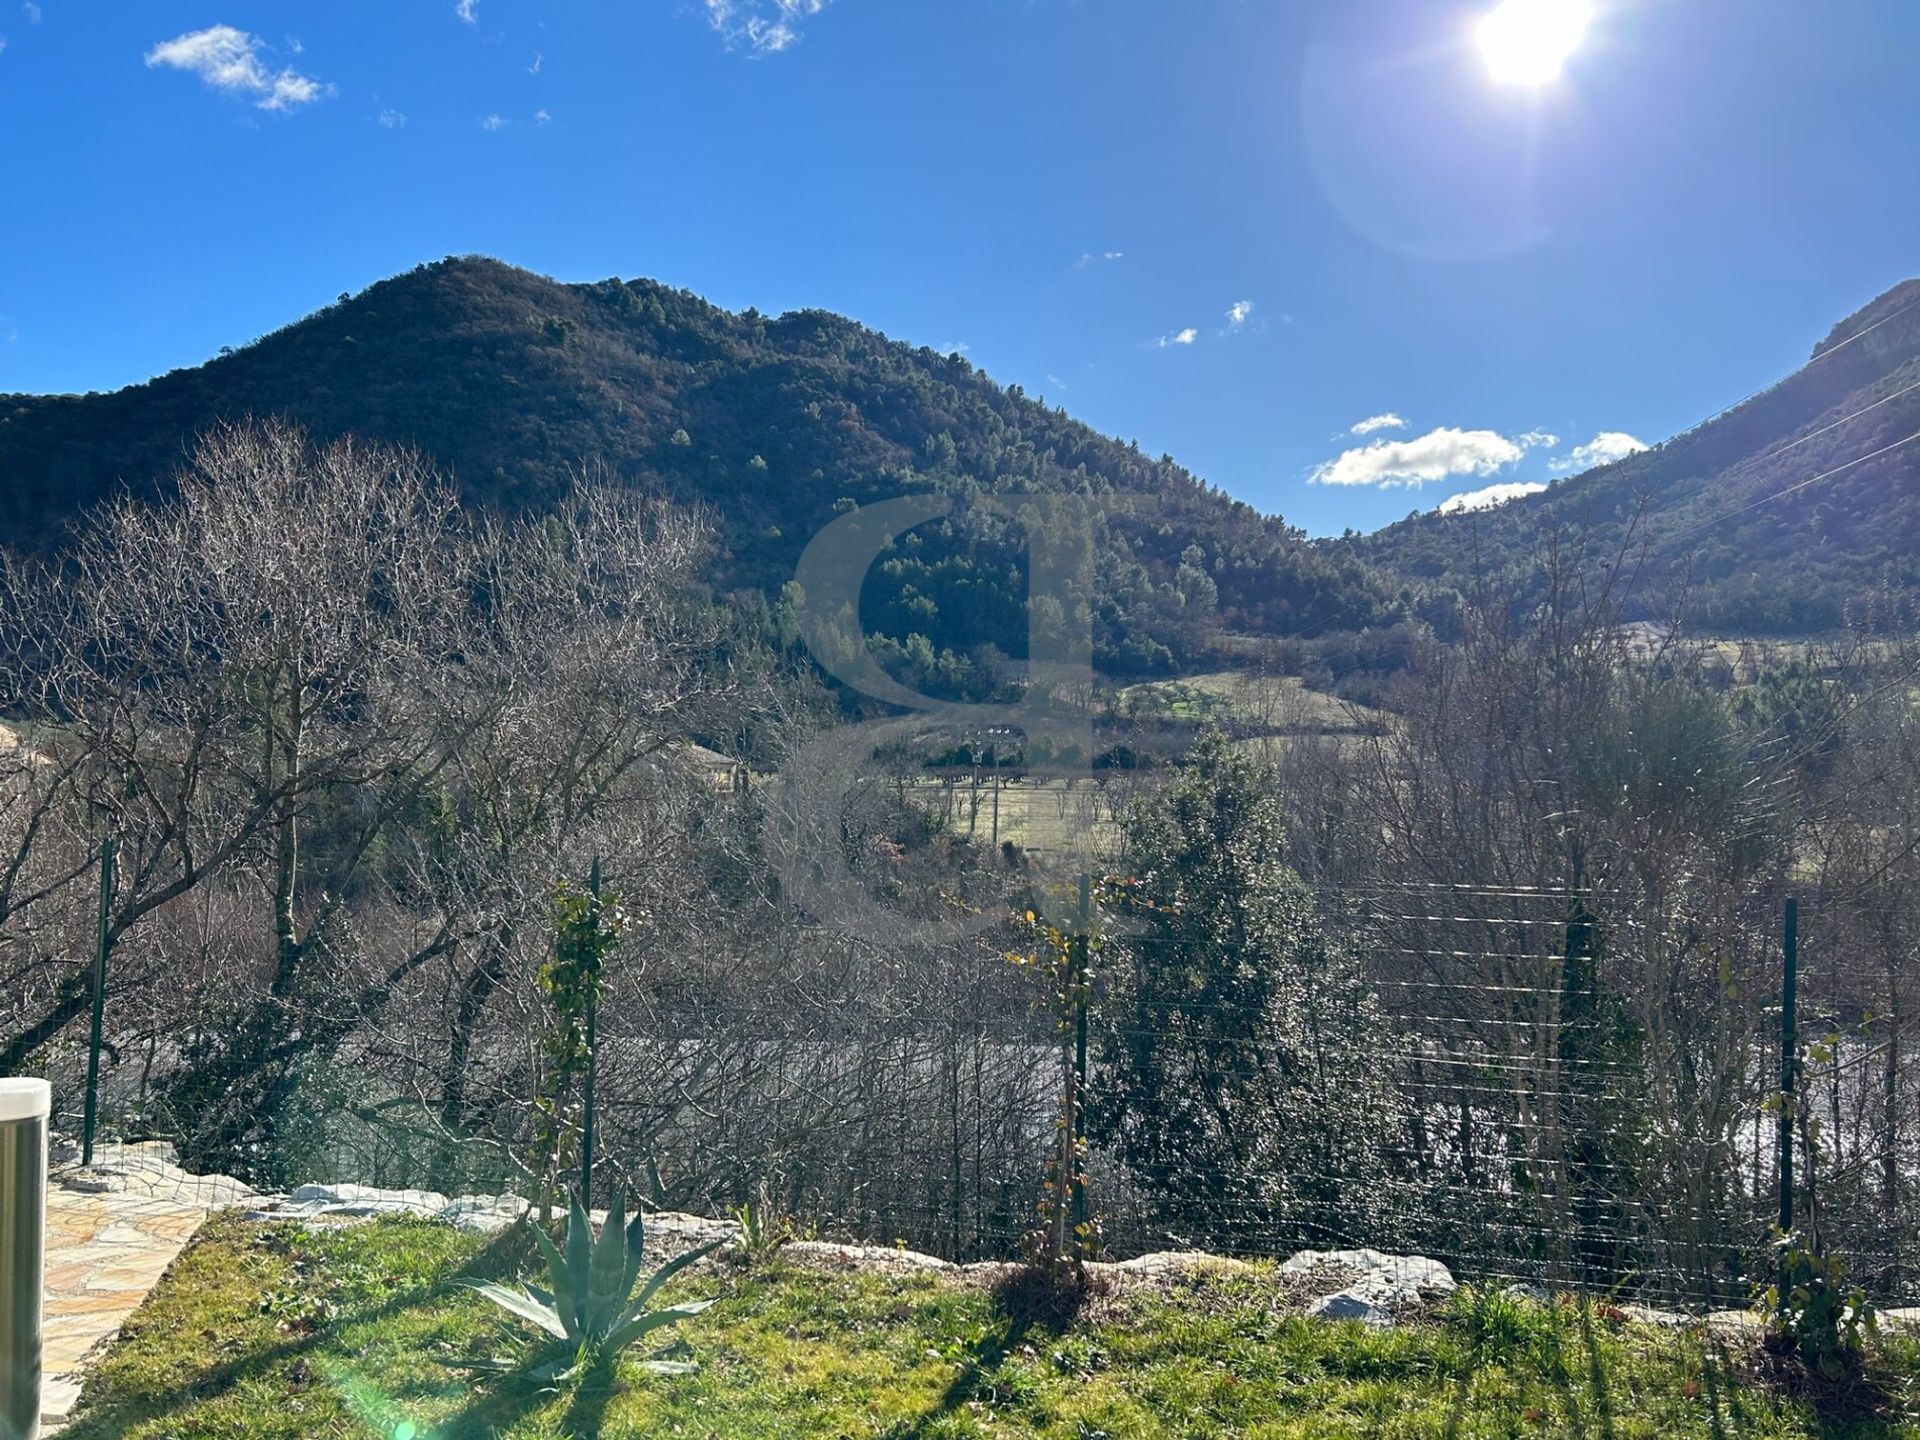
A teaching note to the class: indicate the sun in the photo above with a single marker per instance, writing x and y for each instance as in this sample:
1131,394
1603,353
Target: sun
1525,42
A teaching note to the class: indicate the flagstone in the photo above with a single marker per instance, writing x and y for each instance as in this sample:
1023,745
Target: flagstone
86,1302
112,1231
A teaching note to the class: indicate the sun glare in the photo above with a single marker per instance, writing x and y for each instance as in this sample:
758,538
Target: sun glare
1525,42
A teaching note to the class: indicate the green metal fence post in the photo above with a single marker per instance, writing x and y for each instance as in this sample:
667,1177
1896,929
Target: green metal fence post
1789,1059
1082,945
593,1050
99,1001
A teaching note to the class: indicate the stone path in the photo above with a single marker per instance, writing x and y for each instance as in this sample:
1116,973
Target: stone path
112,1230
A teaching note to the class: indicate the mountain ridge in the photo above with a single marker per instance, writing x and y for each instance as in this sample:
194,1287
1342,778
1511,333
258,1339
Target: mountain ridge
773,424
1790,511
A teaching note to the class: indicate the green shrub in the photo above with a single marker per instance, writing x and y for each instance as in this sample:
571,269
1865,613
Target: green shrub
1811,1312
764,1231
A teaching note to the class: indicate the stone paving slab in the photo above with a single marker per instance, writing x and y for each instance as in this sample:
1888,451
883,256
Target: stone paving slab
112,1231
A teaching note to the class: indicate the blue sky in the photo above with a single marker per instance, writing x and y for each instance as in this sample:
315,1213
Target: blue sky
1079,192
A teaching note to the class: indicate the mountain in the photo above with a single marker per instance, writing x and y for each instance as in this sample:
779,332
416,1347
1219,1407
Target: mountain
1779,516
776,425
508,380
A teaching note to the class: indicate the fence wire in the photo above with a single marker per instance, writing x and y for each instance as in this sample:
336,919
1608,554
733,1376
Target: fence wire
1580,1090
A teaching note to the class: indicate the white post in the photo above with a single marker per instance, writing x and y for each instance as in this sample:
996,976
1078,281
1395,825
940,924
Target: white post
25,1106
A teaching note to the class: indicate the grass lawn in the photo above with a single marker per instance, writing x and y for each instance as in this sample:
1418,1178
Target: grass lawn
1269,700
280,1331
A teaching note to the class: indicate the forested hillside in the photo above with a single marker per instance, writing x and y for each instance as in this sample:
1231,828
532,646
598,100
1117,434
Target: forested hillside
510,382
774,425
1781,515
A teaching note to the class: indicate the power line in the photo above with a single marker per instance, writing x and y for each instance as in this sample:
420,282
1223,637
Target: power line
1843,420
1791,489
1830,351
1314,632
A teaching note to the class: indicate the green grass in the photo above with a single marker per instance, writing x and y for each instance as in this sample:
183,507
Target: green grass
1279,702
279,1331
1045,816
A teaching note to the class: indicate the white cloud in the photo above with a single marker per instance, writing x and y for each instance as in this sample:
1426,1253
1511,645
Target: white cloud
31,11
468,11
3,44
766,27
1387,421
1605,448
1239,313
495,123
229,60
1178,337
1488,498
1092,257
393,119
538,61
1437,455
1056,382
541,117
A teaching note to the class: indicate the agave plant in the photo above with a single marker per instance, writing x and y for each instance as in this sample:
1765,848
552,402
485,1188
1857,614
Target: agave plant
592,1306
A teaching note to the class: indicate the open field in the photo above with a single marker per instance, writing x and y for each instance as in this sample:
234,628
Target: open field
1278,702
1052,817
1046,817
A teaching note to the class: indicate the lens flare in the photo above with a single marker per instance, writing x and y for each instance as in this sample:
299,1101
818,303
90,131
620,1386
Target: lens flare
1526,42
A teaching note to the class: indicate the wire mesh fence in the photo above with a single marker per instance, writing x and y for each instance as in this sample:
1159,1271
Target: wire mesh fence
1561,1087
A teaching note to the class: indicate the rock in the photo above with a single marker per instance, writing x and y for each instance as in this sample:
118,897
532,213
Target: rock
677,1230
1528,1291
361,1202
1381,1283
87,1180
1647,1315
59,1397
482,1214
152,1168
1345,1305
882,1258
1398,1277
668,1232
1173,1265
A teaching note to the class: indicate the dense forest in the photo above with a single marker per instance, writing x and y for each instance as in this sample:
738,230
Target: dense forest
1722,520
773,426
